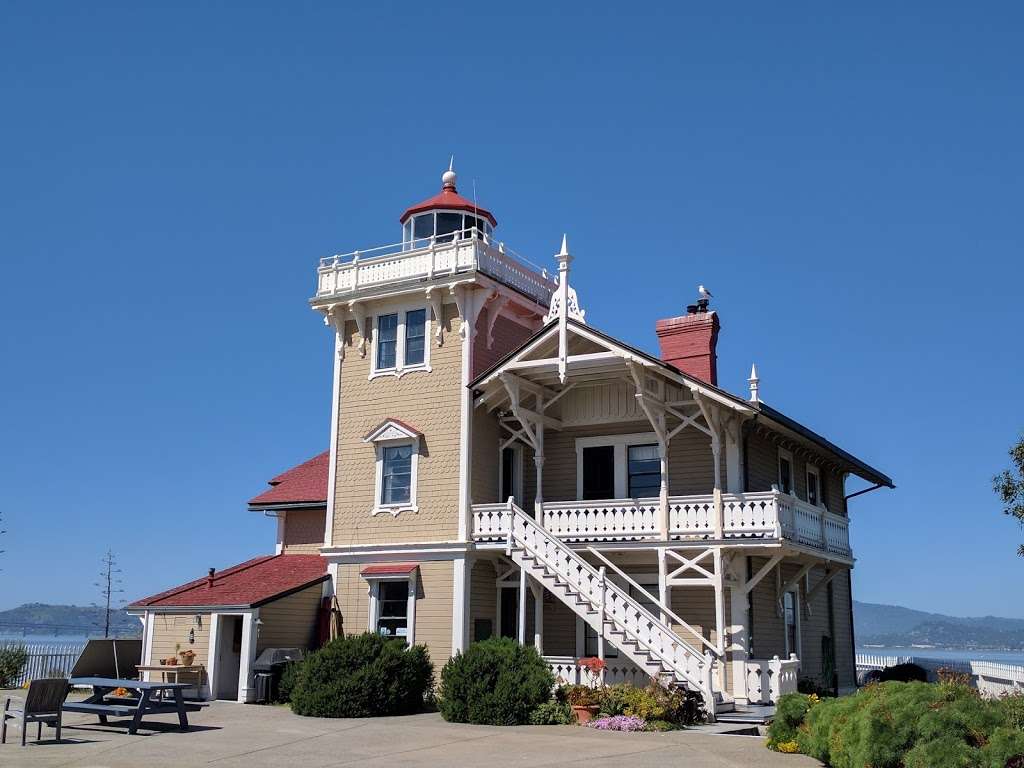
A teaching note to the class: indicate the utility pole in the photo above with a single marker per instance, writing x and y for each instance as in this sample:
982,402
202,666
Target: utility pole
109,585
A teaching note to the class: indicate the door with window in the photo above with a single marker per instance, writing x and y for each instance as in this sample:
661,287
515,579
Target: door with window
599,472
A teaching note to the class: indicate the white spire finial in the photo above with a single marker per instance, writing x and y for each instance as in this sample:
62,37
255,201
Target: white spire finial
448,177
565,246
754,383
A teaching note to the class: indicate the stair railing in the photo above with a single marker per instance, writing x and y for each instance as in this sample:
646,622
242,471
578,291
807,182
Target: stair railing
613,602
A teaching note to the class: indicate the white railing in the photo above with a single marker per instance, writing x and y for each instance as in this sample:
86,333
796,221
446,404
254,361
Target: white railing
991,678
768,679
613,603
45,660
568,671
612,520
460,252
767,514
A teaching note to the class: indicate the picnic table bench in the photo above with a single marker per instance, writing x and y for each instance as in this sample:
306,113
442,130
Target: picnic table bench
152,700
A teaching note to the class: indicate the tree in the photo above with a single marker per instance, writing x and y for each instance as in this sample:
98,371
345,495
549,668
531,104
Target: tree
1009,486
109,585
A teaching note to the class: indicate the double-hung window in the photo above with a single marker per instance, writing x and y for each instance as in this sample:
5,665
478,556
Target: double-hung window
785,471
644,471
392,608
401,343
618,467
397,447
813,486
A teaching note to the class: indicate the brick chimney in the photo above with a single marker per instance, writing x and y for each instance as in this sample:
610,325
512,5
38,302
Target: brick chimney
688,342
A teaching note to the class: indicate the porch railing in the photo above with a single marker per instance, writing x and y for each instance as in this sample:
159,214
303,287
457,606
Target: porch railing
459,252
765,514
768,679
567,670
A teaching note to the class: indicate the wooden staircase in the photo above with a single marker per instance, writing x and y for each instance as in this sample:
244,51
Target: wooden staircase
610,610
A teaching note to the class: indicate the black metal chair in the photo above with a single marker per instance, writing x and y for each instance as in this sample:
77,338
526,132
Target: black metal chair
42,704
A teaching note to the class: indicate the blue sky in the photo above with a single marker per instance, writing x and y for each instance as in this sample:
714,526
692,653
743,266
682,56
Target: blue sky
847,181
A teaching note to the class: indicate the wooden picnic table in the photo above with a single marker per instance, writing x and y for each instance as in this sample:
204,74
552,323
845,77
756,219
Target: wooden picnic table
151,700
167,670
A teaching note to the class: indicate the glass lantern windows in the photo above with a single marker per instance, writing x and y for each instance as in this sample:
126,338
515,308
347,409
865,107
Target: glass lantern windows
443,226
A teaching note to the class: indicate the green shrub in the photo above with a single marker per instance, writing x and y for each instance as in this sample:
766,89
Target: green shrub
823,719
12,661
661,725
943,752
655,702
790,712
494,682
1013,707
1004,744
581,695
551,713
363,676
286,685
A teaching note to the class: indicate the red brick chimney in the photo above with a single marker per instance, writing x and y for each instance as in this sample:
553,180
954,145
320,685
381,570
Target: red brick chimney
689,342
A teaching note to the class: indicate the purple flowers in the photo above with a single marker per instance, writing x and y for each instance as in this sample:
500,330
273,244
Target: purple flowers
618,723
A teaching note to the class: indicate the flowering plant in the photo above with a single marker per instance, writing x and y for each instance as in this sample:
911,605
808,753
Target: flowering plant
618,723
592,664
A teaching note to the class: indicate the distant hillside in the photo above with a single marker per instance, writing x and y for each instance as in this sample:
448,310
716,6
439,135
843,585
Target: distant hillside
893,625
42,619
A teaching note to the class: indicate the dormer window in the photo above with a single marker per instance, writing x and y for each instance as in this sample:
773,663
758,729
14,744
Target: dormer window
397,448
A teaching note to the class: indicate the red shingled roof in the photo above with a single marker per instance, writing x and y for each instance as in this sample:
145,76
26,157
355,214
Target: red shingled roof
249,584
388,569
305,483
451,200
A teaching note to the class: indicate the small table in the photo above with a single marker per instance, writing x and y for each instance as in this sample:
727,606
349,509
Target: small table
146,704
166,669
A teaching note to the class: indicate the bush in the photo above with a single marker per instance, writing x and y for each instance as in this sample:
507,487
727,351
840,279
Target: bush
810,685
551,713
661,725
582,695
363,676
653,703
790,712
286,685
904,673
1005,745
944,752
1013,707
12,660
494,682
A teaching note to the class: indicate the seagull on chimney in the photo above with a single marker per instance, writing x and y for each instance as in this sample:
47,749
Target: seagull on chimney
704,292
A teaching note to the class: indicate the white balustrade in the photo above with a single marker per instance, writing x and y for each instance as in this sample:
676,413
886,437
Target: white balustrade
766,515
612,520
466,251
768,679
568,671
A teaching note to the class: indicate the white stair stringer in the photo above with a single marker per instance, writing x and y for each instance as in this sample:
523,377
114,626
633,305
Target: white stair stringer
607,608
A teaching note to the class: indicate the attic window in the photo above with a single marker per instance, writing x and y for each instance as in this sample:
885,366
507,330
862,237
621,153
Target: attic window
396,447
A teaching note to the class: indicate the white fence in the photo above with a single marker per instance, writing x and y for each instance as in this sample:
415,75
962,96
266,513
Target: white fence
568,670
768,679
991,678
45,660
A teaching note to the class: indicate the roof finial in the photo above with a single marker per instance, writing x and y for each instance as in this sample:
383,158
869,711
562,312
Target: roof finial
448,177
754,382
565,248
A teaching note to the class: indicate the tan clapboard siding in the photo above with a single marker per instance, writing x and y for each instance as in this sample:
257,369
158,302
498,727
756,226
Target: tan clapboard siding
841,596
428,401
763,473
559,628
767,627
813,628
290,622
434,610
170,630
353,595
487,436
483,601
303,530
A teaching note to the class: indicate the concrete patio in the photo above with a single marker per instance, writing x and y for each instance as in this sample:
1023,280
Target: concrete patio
227,734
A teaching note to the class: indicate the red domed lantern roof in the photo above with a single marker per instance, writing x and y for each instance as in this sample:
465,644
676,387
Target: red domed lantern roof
448,199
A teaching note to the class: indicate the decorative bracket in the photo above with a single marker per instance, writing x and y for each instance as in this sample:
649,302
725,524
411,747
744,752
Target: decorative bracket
437,307
335,317
359,315
495,303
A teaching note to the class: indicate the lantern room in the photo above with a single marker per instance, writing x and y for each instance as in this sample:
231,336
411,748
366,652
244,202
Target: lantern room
445,217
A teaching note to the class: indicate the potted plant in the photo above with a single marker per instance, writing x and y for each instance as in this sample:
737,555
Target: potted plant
187,657
595,669
584,701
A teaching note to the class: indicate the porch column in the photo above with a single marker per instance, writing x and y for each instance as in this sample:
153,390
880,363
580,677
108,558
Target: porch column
719,583
538,462
733,467
538,616
716,453
522,607
664,591
739,636
663,516
246,688
462,571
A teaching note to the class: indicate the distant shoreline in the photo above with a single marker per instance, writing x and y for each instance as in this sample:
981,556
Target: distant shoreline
954,654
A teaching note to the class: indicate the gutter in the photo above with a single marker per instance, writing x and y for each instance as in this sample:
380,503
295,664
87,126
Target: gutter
874,487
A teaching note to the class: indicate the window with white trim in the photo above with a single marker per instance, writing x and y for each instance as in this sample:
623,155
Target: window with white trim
618,466
400,342
791,613
397,449
786,471
393,607
510,470
814,486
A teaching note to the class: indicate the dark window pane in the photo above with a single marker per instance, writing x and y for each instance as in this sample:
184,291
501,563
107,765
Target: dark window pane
644,468
446,224
812,488
509,611
392,608
508,485
396,475
599,472
415,330
387,341
423,226
785,475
